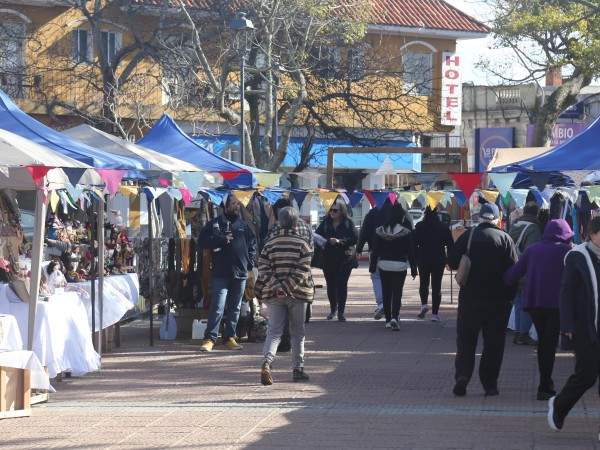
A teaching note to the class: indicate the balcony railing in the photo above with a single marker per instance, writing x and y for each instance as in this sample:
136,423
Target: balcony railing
445,141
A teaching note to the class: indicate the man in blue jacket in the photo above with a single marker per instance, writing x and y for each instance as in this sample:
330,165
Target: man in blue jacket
233,246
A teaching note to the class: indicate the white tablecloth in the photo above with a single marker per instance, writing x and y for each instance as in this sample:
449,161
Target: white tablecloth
23,359
62,338
121,293
10,338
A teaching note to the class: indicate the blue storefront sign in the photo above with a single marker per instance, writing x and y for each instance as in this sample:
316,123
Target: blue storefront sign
487,140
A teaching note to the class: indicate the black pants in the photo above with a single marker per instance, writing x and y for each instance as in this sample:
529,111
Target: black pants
587,370
337,288
435,272
491,321
392,284
547,325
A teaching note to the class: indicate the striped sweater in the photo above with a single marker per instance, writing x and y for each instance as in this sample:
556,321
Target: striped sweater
285,262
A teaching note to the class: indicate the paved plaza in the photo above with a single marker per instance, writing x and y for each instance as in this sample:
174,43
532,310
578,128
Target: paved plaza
370,387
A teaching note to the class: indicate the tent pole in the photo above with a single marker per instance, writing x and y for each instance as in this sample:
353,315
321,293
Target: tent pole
100,237
150,267
92,276
36,261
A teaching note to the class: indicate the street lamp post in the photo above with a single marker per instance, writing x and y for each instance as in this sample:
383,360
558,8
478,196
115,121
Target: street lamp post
242,25
277,71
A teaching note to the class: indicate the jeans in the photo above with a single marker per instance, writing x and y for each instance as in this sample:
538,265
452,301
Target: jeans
337,288
547,325
226,296
523,319
376,280
436,273
280,310
392,284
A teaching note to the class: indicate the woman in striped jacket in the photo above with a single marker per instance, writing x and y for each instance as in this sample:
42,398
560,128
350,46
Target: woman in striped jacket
285,284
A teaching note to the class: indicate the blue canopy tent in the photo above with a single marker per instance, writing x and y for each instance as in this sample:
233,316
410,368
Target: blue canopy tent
167,138
581,152
17,122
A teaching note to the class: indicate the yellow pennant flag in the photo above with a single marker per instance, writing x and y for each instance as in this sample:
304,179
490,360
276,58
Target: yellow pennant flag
100,194
135,211
267,179
243,196
490,196
593,193
54,200
129,190
434,197
328,198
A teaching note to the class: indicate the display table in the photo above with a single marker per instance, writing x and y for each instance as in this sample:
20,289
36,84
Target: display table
121,293
62,337
10,338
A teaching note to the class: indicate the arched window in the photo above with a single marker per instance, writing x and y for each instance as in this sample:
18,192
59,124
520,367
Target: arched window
417,68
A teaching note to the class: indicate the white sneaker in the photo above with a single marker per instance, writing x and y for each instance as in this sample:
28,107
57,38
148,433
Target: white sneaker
388,325
424,310
394,325
378,313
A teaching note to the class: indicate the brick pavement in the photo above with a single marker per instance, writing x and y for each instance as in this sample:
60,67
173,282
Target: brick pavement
370,388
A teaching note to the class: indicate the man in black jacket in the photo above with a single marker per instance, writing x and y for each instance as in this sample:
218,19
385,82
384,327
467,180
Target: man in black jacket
233,246
484,303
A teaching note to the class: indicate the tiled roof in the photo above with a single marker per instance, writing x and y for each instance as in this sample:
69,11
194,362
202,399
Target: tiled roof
424,14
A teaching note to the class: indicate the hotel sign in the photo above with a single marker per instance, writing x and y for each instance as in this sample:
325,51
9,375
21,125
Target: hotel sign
451,89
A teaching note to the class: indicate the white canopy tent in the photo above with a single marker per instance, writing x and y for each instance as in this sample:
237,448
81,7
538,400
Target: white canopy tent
506,156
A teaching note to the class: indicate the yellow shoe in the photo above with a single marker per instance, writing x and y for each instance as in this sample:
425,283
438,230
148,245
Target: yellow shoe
207,345
232,345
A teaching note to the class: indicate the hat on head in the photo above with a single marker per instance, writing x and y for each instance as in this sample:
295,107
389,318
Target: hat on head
489,211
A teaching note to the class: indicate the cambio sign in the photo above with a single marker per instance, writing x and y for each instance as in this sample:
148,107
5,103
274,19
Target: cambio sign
451,89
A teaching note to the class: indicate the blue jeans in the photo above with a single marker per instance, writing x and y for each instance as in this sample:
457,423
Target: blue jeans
226,294
279,310
523,320
376,280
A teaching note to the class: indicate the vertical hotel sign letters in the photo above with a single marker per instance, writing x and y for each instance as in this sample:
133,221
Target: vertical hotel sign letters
451,89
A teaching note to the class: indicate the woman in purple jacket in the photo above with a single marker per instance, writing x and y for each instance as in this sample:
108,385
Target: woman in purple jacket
543,264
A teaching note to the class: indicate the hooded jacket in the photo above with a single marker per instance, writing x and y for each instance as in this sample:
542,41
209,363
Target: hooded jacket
432,238
543,265
393,245
579,296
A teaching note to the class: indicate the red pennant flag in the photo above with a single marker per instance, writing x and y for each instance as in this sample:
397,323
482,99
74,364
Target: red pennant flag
370,198
38,172
467,182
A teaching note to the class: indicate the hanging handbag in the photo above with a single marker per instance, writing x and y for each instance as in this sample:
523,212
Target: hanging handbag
464,267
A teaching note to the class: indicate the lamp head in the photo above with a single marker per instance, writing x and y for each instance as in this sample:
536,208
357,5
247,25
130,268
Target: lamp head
240,23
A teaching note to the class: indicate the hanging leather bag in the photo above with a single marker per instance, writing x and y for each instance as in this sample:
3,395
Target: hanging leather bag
464,266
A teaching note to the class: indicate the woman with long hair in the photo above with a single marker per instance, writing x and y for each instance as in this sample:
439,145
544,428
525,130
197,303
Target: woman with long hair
338,257
393,254
433,239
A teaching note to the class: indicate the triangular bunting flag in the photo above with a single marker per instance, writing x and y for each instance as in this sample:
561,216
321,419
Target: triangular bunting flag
490,196
503,181
409,196
73,191
299,196
328,198
272,196
175,194
129,190
267,179
576,175
186,195
38,172
355,198
539,179
64,200
74,174
446,199
112,178
369,195
467,182
216,196
434,197
426,179
519,196
392,196
380,197
460,197
192,180
244,196
54,201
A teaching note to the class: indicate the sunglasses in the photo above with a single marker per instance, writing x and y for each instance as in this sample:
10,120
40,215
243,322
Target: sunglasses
333,210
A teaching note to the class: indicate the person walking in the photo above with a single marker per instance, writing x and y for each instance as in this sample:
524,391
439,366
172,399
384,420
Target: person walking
233,246
542,265
372,220
433,239
524,232
338,256
393,254
303,229
484,302
285,284
579,313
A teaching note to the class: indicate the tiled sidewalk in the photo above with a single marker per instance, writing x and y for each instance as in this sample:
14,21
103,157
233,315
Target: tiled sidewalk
370,388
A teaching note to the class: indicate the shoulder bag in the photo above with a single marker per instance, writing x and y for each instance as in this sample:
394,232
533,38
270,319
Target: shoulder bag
464,267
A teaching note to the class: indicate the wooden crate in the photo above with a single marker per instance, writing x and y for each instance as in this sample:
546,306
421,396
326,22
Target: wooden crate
15,392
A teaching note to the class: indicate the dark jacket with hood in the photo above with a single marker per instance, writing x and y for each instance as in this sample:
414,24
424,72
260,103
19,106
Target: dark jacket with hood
372,220
530,227
543,264
431,239
393,245
579,296
341,256
492,253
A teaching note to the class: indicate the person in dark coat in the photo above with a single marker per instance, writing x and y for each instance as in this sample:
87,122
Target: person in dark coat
579,323
393,254
542,265
372,220
338,257
484,303
432,240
